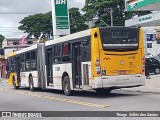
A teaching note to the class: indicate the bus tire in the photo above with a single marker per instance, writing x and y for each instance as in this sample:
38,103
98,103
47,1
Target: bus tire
66,86
31,85
14,84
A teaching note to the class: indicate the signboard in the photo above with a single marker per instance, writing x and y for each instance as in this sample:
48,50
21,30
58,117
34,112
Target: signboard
151,37
60,17
140,5
158,36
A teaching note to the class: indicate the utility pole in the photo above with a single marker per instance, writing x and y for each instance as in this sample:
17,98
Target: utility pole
111,14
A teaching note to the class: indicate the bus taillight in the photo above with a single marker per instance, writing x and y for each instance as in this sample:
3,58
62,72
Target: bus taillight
97,61
97,68
143,65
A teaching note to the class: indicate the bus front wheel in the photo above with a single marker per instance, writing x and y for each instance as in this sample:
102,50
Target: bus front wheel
66,86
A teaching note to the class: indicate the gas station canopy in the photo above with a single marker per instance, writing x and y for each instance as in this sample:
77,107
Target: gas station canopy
152,19
142,5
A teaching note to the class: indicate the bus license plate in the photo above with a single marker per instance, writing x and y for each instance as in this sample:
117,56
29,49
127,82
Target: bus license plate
122,72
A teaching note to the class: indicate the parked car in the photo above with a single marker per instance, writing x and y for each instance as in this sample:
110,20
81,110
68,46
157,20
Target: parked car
157,57
152,65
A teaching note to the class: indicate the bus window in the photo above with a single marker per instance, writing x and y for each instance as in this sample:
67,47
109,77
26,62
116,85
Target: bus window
57,54
27,55
12,66
22,62
119,40
33,60
66,52
86,42
86,49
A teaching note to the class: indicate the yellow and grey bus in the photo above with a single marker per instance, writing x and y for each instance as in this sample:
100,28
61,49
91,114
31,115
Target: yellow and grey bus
100,59
11,72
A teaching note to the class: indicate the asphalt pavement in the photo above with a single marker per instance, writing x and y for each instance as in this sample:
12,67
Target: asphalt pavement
152,85
129,99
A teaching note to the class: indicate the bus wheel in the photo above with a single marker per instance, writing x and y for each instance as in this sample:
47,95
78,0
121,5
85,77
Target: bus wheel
31,86
14,84
66,86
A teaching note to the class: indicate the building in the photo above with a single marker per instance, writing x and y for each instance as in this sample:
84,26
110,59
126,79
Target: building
9,45
3,64
14,44
142,5
149,25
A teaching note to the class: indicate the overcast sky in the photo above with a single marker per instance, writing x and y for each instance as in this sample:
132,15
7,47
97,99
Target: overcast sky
8,21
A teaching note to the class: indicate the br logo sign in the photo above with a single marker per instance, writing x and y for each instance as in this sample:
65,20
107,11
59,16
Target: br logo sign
61,1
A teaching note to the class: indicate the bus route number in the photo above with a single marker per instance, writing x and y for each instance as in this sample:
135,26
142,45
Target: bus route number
57,68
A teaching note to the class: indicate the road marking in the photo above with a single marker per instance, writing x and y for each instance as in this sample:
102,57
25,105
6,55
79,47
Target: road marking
57,98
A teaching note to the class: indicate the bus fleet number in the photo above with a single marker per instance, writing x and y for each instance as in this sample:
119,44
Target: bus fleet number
57,68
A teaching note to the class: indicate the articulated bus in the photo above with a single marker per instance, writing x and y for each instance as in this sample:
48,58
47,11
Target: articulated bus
100,59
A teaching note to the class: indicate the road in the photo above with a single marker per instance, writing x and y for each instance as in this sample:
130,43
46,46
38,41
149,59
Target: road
52,100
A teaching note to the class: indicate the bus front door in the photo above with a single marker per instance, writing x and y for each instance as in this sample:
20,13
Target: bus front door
49,67
18,69
76,65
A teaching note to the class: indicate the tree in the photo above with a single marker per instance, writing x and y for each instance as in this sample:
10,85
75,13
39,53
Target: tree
101,9
77,21
37,24
42,23
1,39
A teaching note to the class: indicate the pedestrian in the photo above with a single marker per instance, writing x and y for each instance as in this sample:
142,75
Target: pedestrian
147,74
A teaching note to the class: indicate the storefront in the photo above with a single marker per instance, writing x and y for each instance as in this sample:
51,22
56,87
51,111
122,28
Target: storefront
3,64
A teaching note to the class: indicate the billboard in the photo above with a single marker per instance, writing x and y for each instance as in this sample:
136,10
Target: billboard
141,5
60,17
151,37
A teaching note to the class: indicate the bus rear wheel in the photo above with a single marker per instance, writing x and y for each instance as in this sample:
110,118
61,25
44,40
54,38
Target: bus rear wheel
14,84
31,86
66,86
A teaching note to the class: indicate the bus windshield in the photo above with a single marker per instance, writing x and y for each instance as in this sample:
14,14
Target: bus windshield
119,39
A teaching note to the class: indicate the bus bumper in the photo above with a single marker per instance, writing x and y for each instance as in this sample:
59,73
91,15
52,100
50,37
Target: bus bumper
120,81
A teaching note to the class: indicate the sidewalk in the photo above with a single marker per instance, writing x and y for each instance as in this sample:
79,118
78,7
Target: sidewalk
152,85
3,79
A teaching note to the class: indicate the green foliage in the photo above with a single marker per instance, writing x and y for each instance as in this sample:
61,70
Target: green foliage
1,39
37,24
42,23
101,8
77,21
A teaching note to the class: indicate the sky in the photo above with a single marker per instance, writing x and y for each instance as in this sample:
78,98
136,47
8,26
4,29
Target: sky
9,22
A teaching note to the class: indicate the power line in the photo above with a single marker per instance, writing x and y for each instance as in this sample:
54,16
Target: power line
10,32
9,27
23,13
